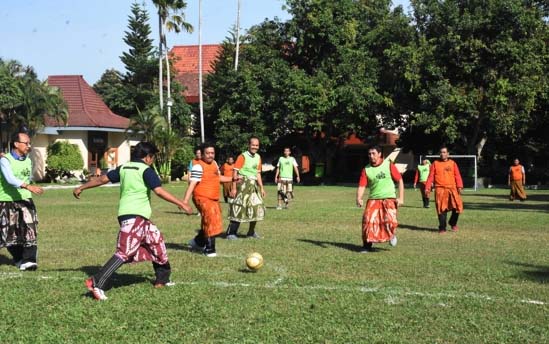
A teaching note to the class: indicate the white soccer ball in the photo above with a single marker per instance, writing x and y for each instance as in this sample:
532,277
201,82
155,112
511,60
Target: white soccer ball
254,261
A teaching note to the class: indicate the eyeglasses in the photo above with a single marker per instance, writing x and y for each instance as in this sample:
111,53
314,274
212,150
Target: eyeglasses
25,143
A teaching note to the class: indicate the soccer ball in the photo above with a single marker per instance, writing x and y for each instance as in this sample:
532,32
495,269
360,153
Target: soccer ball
254,261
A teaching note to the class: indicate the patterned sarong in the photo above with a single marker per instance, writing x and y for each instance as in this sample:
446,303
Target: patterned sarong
247,206
139,240
211,220
448,199
517,190
379,221
18,223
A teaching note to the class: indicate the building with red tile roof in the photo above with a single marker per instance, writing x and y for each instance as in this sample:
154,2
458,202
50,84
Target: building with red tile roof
186,65
99,133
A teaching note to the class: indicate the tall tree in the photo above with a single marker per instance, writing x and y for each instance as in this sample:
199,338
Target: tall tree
171,17
482,70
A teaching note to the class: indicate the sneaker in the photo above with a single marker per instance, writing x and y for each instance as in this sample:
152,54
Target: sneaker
454,228
441,231
18,264
97,293
28,266
231,237
194,246
279,207
367,248
393,241
210,254
162,285
253,236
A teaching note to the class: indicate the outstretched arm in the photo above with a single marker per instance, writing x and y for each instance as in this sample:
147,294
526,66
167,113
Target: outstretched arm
90,184
165,195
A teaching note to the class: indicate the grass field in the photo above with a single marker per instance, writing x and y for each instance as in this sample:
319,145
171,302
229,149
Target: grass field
488,283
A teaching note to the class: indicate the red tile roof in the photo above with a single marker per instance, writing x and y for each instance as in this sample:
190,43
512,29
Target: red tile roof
186,65
86,108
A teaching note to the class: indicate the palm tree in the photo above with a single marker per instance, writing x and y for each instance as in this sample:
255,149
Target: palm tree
170,18
146,123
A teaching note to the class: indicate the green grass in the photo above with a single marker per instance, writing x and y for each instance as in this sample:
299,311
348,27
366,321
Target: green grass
488,283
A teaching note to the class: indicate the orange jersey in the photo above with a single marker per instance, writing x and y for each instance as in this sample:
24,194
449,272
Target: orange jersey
227,170
208,180
445,174
516,172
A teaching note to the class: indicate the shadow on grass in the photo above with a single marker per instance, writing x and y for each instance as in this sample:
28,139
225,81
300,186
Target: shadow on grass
177,246
535,198
343,245
416,228
5,260
507,206
536,273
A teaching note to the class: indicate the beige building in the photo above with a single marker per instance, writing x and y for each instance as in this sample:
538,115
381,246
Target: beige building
92,126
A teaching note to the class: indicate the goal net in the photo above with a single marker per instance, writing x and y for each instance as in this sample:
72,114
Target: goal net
467,167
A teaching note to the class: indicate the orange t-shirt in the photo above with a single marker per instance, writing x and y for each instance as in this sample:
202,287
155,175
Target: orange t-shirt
208,180
227,170
445,174
516,172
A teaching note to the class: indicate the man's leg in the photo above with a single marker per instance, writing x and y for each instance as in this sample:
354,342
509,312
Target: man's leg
232,229
453,220
16,252
442,222
209,248
102,277
162,273
251,230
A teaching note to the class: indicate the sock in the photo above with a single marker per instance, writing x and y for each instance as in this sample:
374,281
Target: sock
442,221
453,218
251,230
162,273
106,271
232,229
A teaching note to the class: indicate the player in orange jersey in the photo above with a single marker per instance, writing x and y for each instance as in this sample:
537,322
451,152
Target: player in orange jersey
517,180
448,185
227,170
204,188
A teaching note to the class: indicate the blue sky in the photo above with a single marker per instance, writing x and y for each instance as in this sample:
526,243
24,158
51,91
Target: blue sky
85,37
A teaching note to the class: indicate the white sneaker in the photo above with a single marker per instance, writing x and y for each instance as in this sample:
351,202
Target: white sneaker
211,254
393,241
279,207
97,293
28,266
194,246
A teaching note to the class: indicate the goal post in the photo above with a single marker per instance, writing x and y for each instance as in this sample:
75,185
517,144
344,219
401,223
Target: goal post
467,166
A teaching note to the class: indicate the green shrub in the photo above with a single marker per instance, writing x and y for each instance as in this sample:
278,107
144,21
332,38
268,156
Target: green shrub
181,160
63,157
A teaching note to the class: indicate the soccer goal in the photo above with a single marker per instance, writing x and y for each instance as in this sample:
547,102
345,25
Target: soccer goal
467,167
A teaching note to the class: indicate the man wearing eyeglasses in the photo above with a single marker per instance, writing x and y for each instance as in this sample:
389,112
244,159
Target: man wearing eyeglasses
18,220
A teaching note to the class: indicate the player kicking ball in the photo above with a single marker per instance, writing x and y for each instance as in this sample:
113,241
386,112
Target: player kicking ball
139,239
379,221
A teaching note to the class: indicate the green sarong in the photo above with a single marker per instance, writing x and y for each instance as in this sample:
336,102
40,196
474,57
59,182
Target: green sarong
247,206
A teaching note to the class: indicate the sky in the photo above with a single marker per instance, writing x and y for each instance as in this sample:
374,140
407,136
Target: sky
65,37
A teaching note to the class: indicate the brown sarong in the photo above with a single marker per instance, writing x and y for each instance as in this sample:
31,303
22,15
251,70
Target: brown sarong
379,221
210,211
517,190
447,199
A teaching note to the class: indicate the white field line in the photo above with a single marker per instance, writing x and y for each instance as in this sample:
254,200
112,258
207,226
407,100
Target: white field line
393,295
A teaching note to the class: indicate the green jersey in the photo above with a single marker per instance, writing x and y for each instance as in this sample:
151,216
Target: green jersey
286,167
380,181
250,165
423,171
135,196
22,170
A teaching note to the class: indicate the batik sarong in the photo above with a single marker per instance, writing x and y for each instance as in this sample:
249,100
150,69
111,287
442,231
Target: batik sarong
247,206
448,199
211,220
139,240
379,221
517,190
18,223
